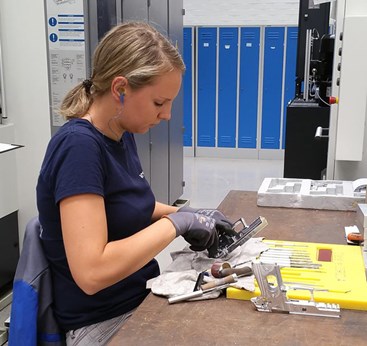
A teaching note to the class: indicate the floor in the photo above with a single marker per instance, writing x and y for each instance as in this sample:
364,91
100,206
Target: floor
208,181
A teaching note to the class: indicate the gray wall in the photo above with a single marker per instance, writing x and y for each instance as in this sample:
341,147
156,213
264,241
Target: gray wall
241,12
22,28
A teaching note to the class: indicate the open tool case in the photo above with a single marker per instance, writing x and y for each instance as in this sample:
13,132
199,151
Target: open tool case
329,273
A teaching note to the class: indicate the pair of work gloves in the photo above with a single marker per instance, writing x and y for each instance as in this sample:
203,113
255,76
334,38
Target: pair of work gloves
201,227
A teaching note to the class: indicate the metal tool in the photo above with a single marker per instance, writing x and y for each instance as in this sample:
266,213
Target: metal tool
289,258
228,243
199,280
291,264
212,286
274,295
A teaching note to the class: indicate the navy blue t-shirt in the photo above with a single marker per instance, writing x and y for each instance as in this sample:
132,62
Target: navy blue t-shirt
80,159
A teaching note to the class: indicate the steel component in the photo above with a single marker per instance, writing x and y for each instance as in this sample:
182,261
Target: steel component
274,295
306,78
228,243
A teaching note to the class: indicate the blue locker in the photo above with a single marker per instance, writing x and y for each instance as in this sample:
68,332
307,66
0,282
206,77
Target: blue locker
249,82
290,73
227,85
272,87
206,94
187,86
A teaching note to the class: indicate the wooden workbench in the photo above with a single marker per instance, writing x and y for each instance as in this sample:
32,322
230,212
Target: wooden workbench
233,322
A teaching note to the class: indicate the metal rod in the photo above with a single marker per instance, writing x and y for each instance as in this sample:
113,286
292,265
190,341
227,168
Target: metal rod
306,78
290,263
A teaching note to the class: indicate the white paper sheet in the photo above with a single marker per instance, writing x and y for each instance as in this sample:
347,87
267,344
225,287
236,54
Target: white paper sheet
6,147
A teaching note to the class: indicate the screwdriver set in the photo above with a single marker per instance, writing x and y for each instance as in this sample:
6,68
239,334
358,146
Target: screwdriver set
328,273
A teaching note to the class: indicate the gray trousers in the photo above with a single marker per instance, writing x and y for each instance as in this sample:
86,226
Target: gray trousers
98,334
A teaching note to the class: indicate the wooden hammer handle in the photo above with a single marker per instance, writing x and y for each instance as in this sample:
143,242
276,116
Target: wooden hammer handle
219,282
245,271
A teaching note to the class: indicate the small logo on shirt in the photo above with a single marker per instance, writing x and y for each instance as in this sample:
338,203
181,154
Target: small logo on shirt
141,175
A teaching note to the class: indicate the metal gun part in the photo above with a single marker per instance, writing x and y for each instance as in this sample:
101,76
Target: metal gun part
274,295
228,243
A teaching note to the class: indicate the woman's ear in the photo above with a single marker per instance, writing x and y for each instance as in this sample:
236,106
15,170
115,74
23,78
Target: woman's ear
118,88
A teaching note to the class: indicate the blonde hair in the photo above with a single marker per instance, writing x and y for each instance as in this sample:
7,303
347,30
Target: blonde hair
134,50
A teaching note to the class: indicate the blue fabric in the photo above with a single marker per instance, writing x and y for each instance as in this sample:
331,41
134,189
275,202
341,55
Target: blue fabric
80,159
48,337
23,319
32,314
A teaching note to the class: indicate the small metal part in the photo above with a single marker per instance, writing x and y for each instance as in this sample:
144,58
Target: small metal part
274,295
228,243
199,281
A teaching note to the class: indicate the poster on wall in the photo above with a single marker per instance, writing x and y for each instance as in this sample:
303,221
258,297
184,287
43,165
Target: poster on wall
66,50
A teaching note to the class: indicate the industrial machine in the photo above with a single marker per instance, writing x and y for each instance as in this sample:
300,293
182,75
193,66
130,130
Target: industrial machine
305,155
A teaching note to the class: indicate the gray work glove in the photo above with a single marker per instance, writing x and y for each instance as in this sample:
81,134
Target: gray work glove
198,230
222,224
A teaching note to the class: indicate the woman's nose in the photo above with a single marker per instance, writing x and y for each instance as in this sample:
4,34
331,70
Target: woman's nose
165,114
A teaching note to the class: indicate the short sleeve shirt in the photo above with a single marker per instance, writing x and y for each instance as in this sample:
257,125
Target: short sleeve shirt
80,159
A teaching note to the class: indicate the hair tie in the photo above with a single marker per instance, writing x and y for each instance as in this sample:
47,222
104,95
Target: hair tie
87,84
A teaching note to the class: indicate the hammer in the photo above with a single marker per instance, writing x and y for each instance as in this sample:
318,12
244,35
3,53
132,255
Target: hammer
223,269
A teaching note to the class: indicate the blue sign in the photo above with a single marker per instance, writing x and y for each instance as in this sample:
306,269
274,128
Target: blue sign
52,21
53,37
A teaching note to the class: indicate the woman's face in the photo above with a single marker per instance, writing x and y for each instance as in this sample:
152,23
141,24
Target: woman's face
148,106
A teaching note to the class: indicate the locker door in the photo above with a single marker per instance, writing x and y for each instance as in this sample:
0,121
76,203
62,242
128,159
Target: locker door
138,10
107,16
249,82
159,155
227,93
105,12
158,15
134,10
207,60
290,74
272,87
187,86
175,125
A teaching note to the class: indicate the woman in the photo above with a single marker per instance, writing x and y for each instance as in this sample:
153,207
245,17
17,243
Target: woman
101,225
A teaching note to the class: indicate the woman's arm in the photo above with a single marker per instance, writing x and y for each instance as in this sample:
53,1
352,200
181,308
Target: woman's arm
96,263
162,209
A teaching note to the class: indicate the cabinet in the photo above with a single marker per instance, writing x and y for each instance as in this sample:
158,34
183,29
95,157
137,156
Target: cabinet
305,157
241,80
161,150
9,237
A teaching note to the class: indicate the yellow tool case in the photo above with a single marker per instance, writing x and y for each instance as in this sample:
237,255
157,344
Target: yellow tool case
331,273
